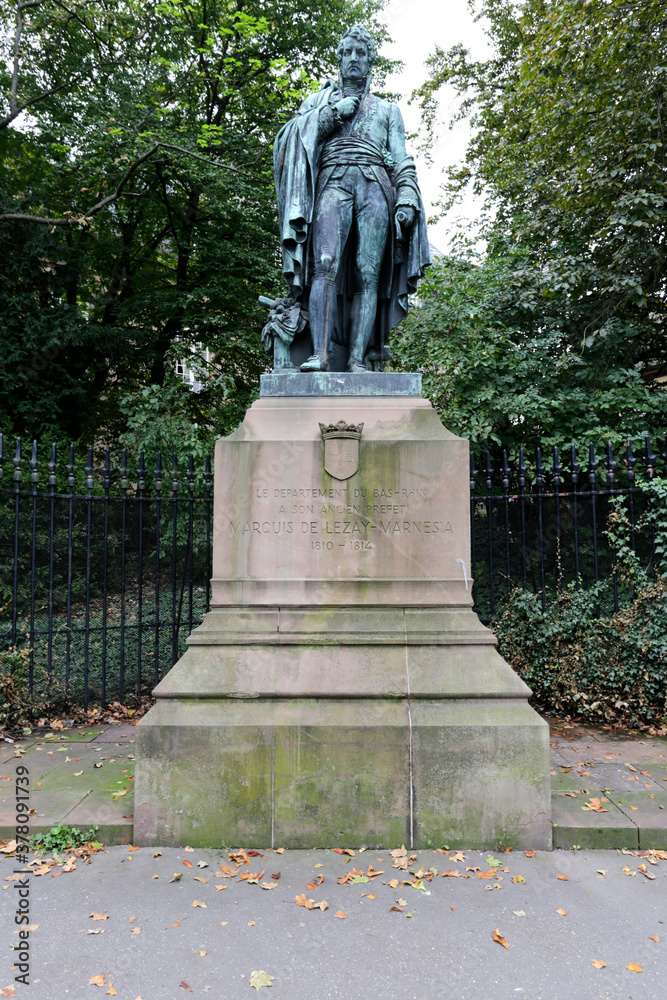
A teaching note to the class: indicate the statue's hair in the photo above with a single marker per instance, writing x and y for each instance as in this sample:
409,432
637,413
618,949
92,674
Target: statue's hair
358,31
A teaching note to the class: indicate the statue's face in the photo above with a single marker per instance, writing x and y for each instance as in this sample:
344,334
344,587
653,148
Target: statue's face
355,62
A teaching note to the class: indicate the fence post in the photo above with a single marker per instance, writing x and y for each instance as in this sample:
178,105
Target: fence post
34,480
71,468
141,485
489,515
106,486
124,486
174,525
157,475
51,483
574,475
208,487
539,482
17,461
473,560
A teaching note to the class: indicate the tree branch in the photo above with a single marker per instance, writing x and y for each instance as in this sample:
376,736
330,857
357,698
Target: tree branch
82,220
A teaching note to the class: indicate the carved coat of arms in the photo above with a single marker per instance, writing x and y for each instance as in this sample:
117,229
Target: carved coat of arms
341,448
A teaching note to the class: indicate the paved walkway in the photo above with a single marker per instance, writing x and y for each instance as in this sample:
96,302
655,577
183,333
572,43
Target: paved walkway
85,776
122,926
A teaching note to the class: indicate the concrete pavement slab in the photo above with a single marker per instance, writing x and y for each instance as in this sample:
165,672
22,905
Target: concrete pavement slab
156,944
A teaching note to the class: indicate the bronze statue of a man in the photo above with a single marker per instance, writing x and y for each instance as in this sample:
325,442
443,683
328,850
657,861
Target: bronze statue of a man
352,223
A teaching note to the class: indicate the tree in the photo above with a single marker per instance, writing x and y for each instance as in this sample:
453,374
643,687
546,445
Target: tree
559,331
136,210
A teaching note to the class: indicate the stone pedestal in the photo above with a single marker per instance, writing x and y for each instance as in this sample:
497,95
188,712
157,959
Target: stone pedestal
341,691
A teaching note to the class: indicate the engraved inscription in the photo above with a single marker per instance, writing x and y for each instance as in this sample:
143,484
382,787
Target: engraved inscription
344,518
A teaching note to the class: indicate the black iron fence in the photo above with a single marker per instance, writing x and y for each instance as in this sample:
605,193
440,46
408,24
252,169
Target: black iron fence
547,528
105,571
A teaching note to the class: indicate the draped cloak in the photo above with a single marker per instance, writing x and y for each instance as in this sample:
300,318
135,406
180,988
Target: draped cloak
298,178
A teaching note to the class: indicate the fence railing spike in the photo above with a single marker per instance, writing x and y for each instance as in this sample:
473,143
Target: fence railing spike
575,468
122,468
107,470
1,456
89,469
649,458
489,471
522,469
539,469
34,466
51,465
17,462
473,472
506,471
71,468
174,473
190,473
157,475
611,463
208,475
631,461
141,473
556,469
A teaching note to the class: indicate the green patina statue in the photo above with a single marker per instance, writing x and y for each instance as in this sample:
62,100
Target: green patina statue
352,223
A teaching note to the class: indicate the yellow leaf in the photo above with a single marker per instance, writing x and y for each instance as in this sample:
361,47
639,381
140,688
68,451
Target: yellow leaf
99,916
657,939
598,963
98,980
119,795
562,912
198,902
340,915
77,774
136,930
634,968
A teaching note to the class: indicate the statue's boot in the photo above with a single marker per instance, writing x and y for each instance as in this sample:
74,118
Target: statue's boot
320,312
362,321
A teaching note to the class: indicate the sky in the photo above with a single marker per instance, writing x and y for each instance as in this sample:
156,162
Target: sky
417,26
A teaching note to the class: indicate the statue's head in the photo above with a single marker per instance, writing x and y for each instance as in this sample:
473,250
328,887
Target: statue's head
356,53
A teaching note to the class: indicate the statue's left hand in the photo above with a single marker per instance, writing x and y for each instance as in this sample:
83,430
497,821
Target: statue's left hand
405,216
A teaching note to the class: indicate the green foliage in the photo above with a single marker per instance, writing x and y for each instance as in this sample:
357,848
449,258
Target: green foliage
502,362
137,214
559,328
17,704
611,668
61,837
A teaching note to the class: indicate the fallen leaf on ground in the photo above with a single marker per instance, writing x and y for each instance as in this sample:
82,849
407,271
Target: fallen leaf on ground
202,864
497,936
518,879
264,885
77,774
519,913
33,927
397,909
251,923
630,767
450,873
136,930
177,876
190,850
111,991
634,968
8,991
656,939
598,963
595,805
530,854
98,980
276,876
198,878
176,924
99,916
119,795
198,902
260,978
561,911
185,986
318,880
563,878
340,915
490,874
188,864
157,854
393,883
